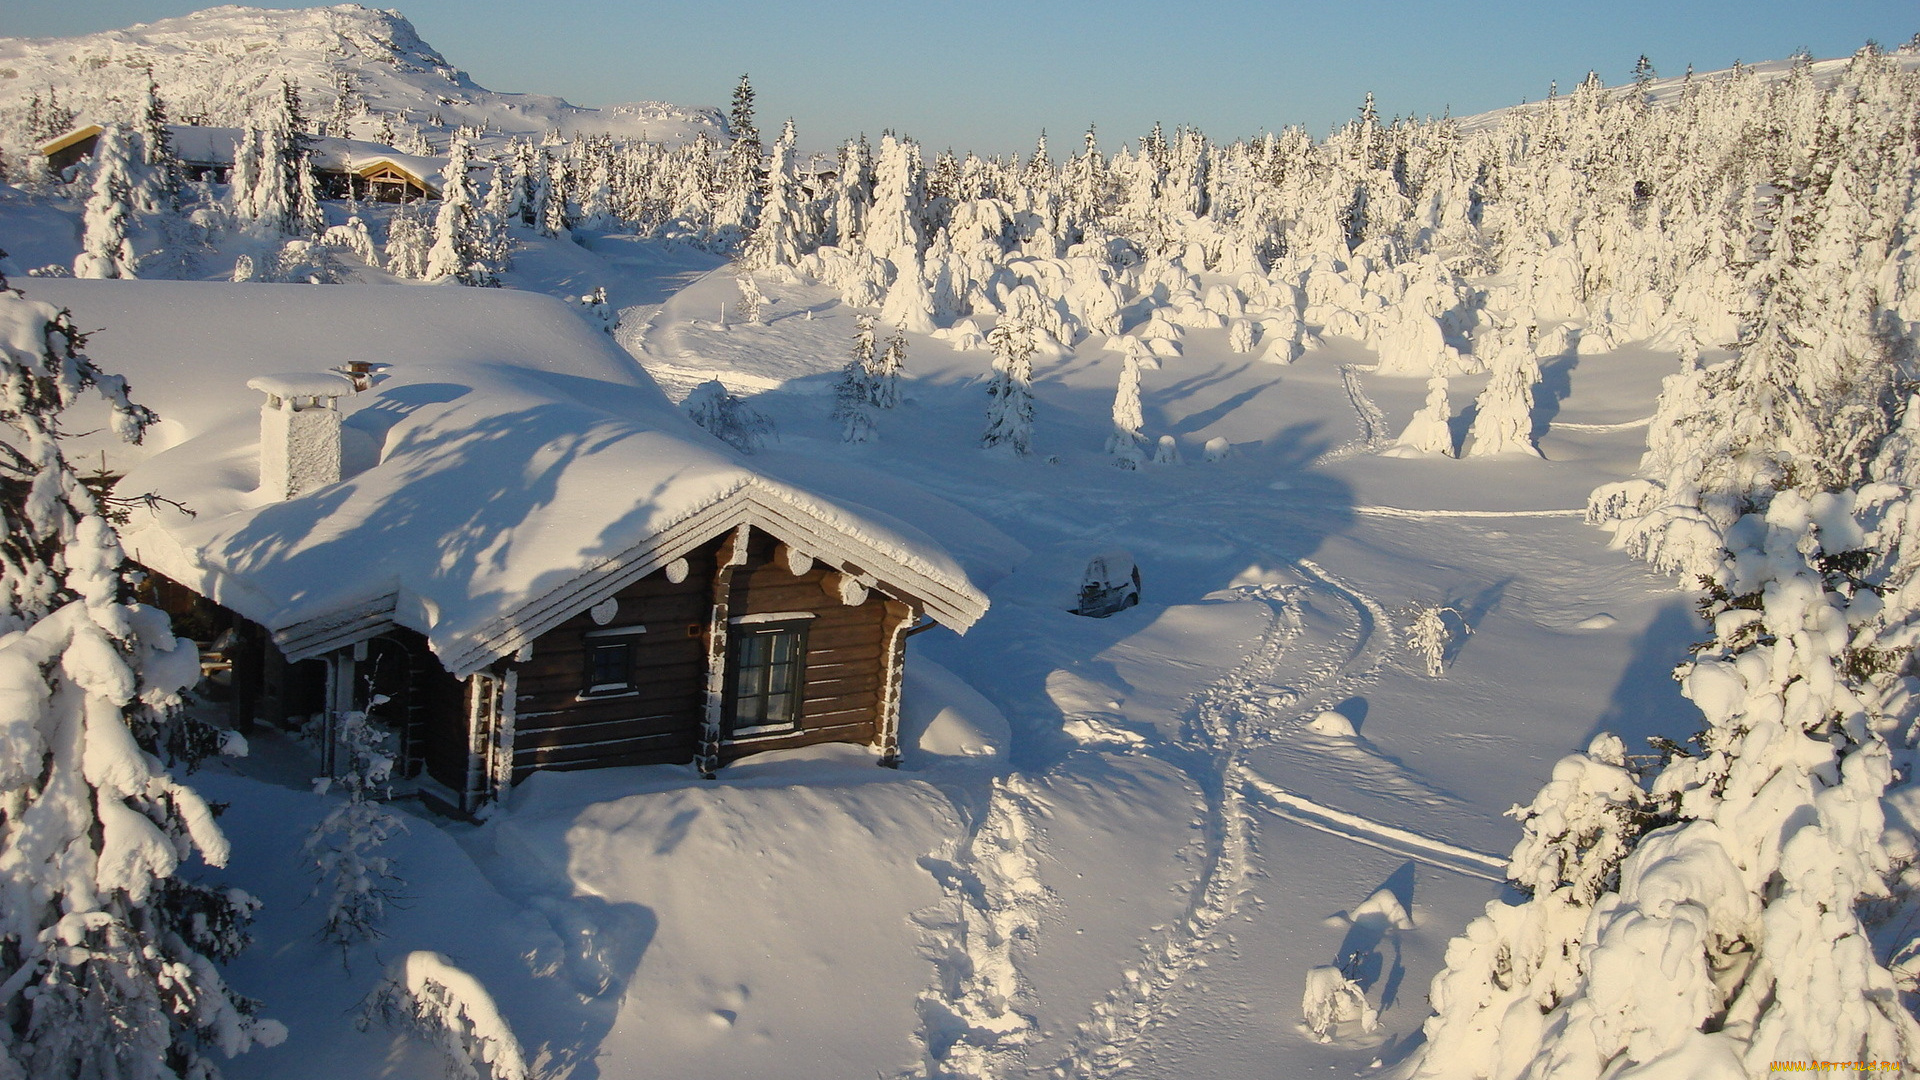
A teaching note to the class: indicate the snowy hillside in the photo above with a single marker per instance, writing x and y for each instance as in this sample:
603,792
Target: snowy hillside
218,65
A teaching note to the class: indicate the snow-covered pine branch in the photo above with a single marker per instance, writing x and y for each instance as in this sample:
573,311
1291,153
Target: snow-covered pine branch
101,933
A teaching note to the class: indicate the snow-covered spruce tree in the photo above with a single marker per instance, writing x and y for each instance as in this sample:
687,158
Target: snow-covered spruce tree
1429,636
887,369
1428,432
1128,420
110,955
853,395
408,240
106,249
737,212
753,303
779,237
156,144
1503,423
728,417
1738,935
358,883
1010,393
461,228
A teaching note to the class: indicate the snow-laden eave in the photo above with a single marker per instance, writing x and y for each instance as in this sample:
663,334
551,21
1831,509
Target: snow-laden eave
949,598
952,601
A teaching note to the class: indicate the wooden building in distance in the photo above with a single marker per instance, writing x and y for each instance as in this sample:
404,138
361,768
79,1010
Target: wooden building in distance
343,167
508,545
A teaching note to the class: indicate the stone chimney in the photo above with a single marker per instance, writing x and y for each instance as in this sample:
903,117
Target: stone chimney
300,431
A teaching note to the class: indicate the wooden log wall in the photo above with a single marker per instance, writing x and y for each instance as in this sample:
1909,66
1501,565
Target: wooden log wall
846,647
659,722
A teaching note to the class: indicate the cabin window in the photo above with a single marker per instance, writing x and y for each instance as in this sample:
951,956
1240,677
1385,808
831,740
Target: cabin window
768,659
610,661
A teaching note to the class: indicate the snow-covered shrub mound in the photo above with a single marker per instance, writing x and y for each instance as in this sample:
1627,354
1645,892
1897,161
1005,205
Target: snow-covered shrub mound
424,993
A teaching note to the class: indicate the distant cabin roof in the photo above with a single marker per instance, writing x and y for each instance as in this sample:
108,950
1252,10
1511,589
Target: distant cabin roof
216,146
77,135
519,467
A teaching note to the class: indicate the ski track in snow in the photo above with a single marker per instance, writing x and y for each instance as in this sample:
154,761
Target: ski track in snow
1226,718
1395,511
1367,415
1625,426
1374,834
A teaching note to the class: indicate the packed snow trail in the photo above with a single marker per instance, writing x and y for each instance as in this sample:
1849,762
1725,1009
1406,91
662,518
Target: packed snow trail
1128,1011
1367,415
970,1026
1227,717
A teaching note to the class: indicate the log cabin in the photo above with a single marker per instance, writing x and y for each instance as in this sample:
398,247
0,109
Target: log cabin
498,537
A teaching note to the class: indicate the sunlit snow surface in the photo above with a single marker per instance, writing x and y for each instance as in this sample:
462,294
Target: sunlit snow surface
1116,845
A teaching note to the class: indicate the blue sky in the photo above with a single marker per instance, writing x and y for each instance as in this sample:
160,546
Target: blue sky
989,75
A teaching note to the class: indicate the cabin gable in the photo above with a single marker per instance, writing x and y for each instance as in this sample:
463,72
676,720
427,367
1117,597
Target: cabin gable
562,721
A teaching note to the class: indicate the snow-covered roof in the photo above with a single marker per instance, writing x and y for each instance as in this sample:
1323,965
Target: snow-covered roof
515,467
61,142
216,146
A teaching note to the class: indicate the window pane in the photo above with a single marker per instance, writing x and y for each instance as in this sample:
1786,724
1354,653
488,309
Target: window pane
608,667
766,680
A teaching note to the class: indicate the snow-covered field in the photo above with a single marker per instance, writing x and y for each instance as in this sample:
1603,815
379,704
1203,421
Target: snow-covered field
1116,845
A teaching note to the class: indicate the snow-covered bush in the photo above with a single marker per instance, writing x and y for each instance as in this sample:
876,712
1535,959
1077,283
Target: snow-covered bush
424,993
1428,431
1431,635
353,236
357,882
753,302
728,417
110,953
598,311
1332,999
408,240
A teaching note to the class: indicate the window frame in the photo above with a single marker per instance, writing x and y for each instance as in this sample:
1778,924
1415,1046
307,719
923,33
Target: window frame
741,630
606,640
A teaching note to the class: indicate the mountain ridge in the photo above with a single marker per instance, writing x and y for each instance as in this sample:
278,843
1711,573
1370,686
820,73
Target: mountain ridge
217,65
